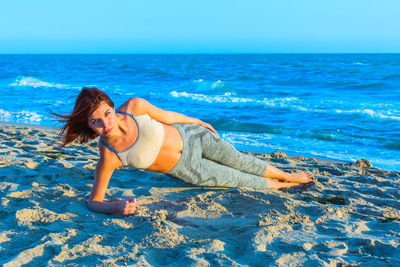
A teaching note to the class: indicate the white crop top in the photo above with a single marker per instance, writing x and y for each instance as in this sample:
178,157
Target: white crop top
143,152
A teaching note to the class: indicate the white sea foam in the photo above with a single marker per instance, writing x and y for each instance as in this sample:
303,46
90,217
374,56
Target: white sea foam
217,84
5,115
290,103
230,97
371,113
213,85
360,64
248,139
20,116
225,98
35,83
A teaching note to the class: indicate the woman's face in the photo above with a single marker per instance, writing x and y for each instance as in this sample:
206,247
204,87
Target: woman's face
103,120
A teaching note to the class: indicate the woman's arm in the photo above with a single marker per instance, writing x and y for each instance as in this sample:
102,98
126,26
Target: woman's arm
141,106
96,203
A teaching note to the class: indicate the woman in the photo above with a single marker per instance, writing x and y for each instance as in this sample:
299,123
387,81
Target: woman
142,136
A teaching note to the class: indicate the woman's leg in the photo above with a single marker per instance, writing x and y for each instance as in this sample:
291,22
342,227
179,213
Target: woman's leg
195,169
204,172
217,149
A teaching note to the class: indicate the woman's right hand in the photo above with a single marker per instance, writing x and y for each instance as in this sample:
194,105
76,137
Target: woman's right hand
128,206
208,126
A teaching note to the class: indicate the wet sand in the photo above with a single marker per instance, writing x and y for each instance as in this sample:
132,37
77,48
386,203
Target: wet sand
351,215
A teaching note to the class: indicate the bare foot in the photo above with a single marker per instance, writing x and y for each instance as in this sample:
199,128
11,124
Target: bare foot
300,177
272,183
297,177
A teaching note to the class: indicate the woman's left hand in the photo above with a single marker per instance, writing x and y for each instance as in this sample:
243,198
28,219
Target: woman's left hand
208,126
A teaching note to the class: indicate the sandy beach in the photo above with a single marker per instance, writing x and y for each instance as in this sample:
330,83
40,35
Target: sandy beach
350,216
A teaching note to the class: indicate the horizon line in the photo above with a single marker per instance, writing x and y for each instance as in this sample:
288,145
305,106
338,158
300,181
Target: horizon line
217,53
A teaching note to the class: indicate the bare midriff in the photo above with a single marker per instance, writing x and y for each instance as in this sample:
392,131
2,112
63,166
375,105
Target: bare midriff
170,151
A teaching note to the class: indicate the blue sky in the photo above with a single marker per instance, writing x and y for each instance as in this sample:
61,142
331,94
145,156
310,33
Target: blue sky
206,26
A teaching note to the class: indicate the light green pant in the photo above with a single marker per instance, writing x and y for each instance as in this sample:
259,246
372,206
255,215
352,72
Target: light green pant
208,160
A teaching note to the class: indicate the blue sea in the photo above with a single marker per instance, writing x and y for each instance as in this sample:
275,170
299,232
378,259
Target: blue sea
332,106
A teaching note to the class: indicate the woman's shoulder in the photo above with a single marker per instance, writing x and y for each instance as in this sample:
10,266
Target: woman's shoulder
134,105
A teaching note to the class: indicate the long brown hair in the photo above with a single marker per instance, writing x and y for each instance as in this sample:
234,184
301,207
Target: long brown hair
76,125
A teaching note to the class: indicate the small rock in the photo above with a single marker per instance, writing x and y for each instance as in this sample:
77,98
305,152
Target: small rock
362,163
279,155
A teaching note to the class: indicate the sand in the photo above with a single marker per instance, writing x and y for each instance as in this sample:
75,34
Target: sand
350,216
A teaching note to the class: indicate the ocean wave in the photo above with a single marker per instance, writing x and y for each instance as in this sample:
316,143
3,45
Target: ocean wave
35,83
289,103
371,113
202,85
230,97
217,84
324,135
260,141
19,116
237,125
225,98
368,85
249,78
392,145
